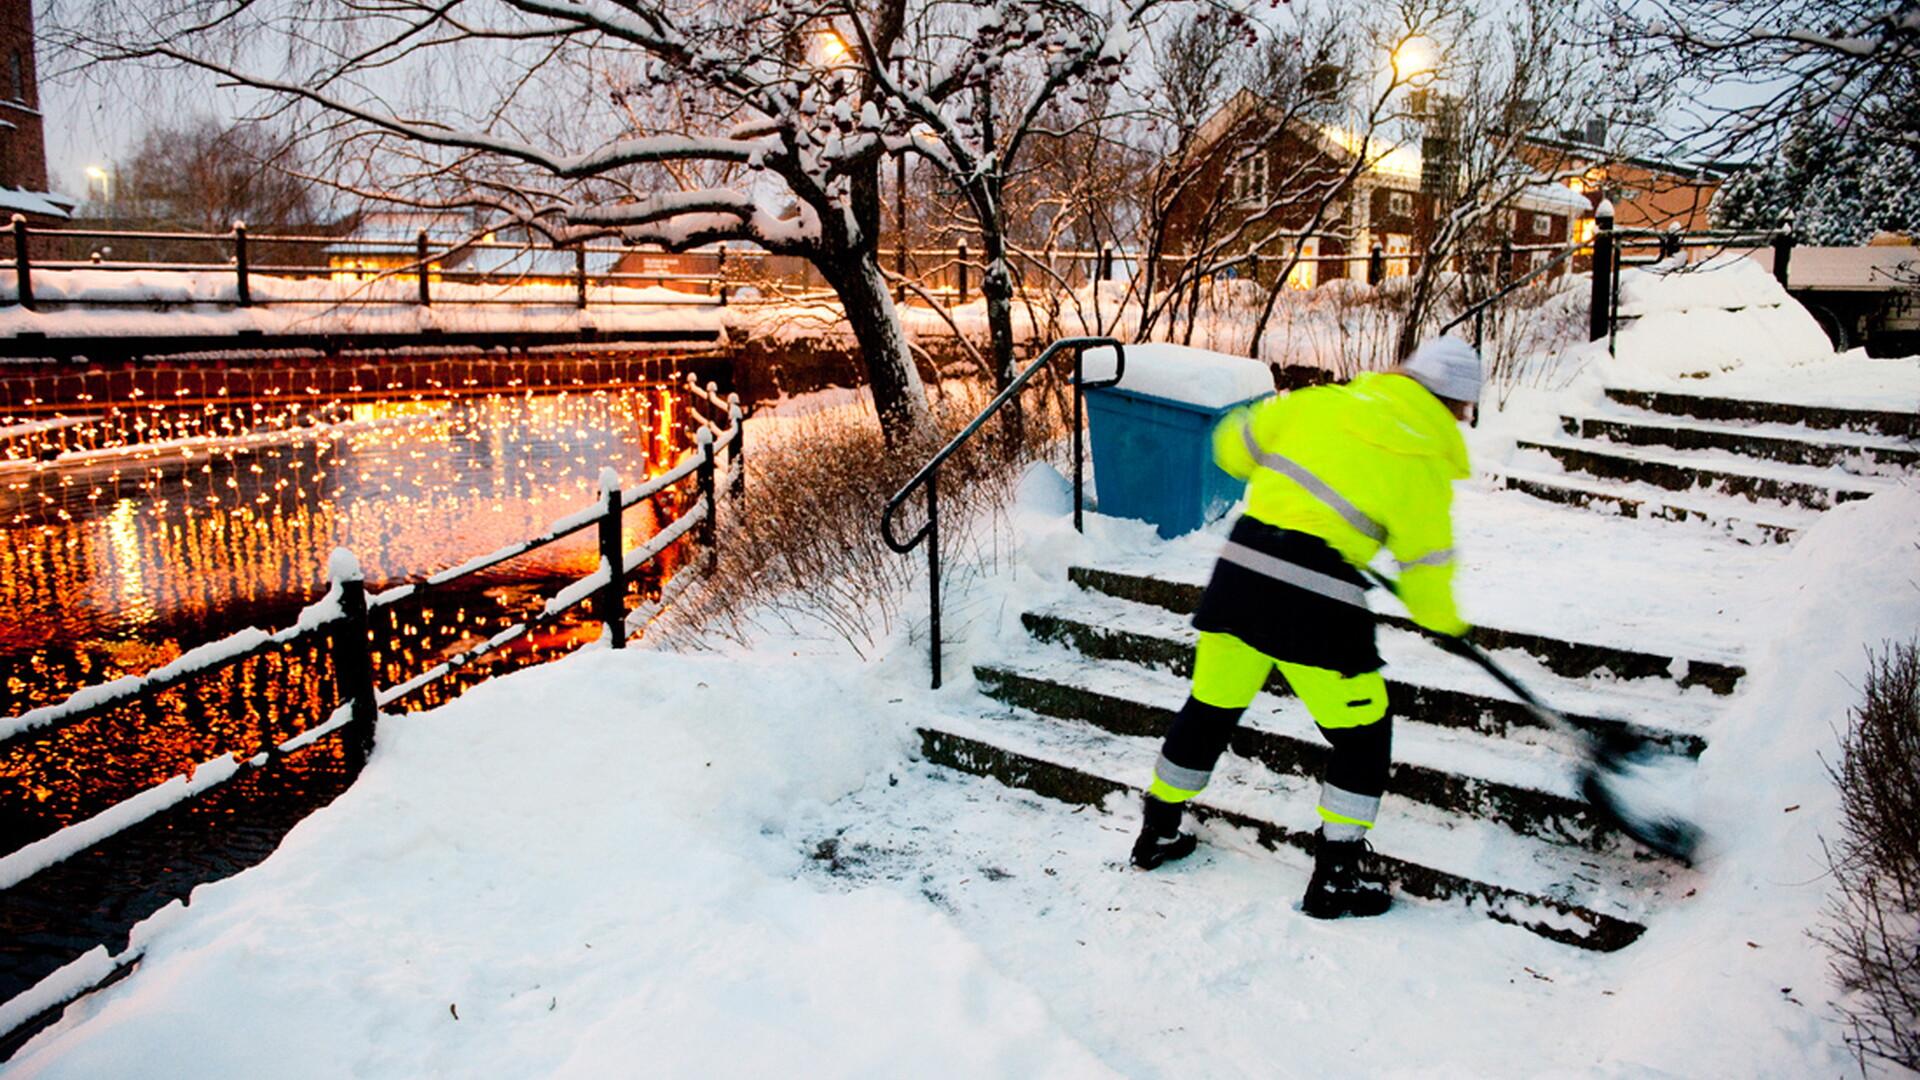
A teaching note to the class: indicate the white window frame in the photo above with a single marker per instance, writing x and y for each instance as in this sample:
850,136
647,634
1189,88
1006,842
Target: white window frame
1400,203
1542,224
1249,178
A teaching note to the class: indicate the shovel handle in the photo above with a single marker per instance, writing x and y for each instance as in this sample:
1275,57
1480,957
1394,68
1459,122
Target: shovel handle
1460,646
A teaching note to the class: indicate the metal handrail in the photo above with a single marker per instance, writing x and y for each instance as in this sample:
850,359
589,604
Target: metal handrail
929,474
1476,310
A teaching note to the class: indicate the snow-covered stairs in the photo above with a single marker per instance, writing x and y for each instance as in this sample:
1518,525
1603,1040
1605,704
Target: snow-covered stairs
1482,806
1760,470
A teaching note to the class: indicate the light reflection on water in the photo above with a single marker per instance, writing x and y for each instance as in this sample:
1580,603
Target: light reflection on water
120,566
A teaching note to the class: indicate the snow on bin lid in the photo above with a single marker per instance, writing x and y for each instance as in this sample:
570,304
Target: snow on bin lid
1209,380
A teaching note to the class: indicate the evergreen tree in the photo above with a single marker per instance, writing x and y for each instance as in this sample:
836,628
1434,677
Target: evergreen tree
1841,182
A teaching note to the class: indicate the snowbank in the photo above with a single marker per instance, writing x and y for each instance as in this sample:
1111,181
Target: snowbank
580,869
1733,977
1209,380
1718,316
1851,380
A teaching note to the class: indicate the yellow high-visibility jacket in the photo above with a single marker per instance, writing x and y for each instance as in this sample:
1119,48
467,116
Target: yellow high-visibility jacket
1390,448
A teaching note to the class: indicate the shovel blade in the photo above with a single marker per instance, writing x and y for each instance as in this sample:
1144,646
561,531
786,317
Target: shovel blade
1662,831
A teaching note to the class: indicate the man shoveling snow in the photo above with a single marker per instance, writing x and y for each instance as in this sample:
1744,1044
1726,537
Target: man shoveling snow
1334,472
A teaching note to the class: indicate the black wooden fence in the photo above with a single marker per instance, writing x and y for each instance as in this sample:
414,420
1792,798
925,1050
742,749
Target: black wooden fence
422,259
340,622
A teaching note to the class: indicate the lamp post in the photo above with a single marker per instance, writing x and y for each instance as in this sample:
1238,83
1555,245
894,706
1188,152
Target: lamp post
95,172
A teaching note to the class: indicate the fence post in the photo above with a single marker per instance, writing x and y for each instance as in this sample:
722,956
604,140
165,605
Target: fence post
1599,313
738,418
580,275
1106,262
243,288
420,250
612,601
1783,251
900,222
933,573
22,268
708,527
960,264
353,656
1376,265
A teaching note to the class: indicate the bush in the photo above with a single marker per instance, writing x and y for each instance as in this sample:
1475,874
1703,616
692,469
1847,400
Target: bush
1873,921
806,551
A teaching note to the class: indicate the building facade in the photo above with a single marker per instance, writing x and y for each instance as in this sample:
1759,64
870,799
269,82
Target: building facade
1259,184
1647,193
23,144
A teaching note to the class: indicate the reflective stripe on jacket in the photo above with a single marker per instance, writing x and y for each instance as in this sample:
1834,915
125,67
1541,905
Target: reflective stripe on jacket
1388,450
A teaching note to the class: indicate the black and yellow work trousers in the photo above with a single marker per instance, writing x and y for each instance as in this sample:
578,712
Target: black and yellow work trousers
1350,711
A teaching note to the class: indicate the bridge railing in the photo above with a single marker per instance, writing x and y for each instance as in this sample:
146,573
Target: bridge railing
421,261
341,622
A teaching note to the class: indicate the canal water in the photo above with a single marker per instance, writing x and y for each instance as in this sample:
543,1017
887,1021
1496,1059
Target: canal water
132,533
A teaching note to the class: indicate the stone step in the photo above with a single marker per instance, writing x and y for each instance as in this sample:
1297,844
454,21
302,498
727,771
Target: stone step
1527,789
1652,504
1584,899
1870,455
1816,489
1446,692
1572,659
1902,425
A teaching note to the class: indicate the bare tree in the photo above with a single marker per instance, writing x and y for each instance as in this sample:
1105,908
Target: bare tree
969,87
1264,148
202,175
1496,82
655,121
1739,76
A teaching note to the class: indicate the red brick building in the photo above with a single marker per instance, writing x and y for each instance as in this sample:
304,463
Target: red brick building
23,143
1240,194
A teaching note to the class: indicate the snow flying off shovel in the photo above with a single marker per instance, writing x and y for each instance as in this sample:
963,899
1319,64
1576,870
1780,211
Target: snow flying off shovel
1616,763
1614,766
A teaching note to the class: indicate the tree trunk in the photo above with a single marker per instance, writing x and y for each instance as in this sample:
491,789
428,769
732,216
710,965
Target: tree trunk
996,288
898,395
1417,302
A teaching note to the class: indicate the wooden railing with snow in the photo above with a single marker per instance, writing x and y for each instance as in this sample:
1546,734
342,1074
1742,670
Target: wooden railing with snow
342,619
423,260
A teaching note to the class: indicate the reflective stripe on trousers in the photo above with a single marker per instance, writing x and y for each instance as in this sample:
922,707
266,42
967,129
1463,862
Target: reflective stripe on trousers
1345,815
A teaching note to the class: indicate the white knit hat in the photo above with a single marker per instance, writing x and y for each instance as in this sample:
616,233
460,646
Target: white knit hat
1448,367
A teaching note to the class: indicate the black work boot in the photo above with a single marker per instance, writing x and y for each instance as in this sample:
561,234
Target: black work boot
1161,840
1342,886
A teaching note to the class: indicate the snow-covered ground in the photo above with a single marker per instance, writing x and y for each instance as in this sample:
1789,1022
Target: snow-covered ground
731,861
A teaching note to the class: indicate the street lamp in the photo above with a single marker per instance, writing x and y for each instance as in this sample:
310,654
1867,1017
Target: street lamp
833,48
95,172
1413,58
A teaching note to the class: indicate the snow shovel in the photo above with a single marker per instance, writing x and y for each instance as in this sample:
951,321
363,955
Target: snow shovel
1614,762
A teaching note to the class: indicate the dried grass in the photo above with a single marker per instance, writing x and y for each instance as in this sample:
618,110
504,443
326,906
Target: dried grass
803,552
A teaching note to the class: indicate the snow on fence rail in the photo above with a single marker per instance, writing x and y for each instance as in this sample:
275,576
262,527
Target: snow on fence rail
421,260
342,615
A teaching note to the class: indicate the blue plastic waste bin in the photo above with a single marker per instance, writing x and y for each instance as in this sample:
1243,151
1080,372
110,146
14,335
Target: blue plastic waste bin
1153,459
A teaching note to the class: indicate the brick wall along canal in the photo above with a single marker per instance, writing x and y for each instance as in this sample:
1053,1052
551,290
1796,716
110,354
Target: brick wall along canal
132,531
